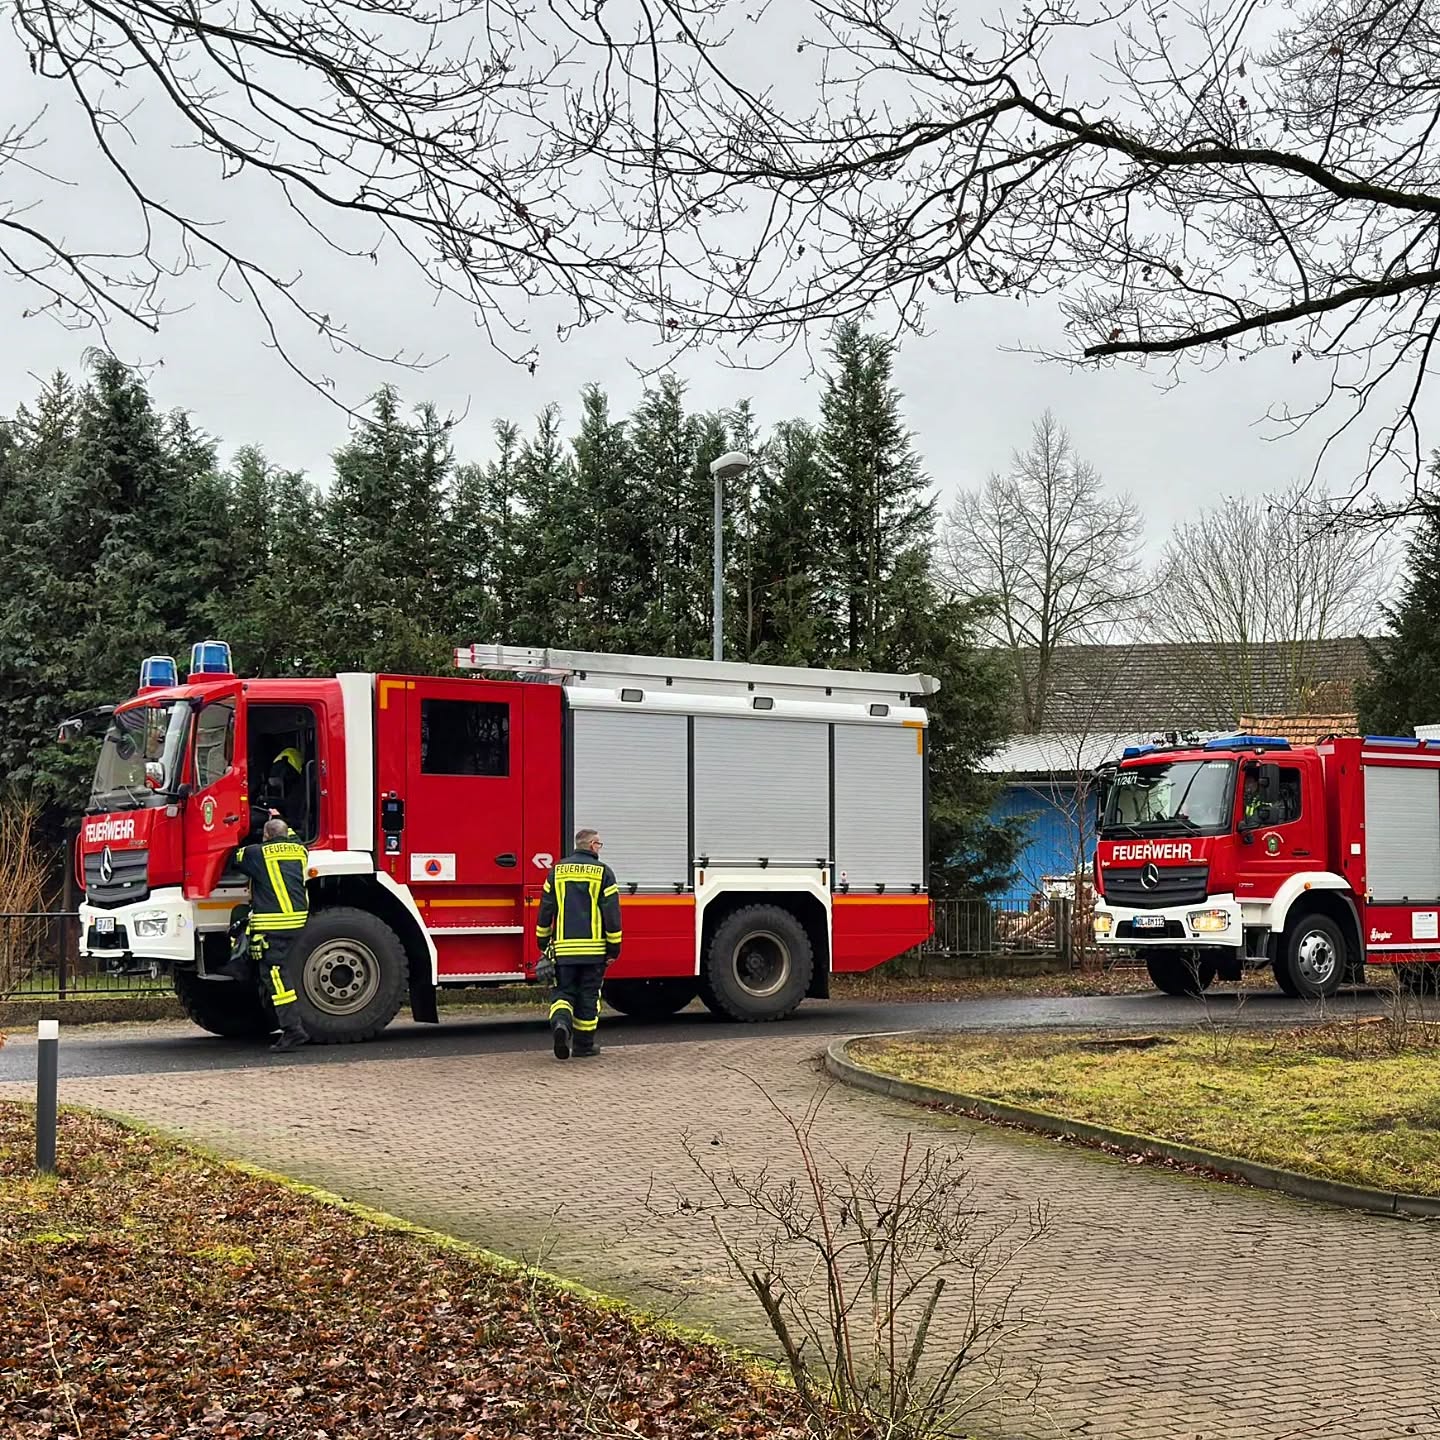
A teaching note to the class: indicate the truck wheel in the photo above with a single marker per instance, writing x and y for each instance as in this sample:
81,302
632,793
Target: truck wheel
231,1008
1177,973
1281,967
1314,956
758,964
649,999
350,975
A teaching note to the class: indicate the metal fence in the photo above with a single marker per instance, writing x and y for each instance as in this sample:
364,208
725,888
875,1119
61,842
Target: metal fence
40,959
40,951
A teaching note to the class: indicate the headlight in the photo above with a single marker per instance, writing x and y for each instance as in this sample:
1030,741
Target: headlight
1104,924
151,927
1209,920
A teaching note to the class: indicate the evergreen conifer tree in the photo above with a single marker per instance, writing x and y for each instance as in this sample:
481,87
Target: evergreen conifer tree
876,506
1404,685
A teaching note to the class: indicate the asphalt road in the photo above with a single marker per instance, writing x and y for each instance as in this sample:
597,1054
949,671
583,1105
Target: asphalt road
172,1048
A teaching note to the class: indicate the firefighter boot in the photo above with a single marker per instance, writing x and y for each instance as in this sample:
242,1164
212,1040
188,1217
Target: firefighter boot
290,1040
587,1047
562,1035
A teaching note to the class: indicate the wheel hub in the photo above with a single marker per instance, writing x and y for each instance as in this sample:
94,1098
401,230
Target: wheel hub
341,976
762,964
1317,958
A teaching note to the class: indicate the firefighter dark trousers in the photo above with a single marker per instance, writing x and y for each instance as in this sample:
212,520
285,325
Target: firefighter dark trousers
272,952
576,1002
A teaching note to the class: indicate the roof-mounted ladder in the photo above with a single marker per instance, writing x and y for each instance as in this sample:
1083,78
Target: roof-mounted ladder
590,668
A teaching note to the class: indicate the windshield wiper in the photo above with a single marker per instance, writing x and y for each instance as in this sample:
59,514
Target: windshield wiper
136,798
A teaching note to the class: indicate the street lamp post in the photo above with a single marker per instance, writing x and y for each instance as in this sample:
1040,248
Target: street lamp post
727,467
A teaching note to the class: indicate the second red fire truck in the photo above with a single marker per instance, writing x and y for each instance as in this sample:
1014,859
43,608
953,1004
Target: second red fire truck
1243,851
767,824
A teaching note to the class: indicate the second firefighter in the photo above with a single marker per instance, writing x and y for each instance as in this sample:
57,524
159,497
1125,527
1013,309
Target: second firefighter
579,924
279,908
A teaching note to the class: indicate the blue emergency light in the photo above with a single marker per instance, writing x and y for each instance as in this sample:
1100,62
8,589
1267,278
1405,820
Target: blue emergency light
158,672
1248,742
210,657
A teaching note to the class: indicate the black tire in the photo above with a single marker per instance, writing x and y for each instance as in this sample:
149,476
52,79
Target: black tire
650,999
1314,957
1176,972
231,1008
1281,968
350,974
758,964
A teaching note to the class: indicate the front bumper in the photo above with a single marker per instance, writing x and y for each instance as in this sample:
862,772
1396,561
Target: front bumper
161,928
1214,922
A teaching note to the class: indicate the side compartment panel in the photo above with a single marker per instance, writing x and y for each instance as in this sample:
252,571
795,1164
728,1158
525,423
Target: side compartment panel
762,790
1402,833
630,784
879,807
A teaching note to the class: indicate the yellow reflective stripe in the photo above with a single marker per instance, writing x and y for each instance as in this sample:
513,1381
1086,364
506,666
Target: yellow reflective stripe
613,937
587,1024
293,921
543,932
280,995
277,883
613,890
594,888
560,1005
547,885
580,947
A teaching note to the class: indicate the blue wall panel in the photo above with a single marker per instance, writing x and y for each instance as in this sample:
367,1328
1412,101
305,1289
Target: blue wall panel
1055,831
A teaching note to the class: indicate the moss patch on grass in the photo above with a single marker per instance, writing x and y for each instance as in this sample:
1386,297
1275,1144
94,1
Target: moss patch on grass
1346,1102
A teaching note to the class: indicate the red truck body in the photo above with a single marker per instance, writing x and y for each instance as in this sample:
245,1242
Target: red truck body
1315,860
434,806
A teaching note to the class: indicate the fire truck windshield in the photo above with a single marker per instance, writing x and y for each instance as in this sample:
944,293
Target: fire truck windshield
141,756
1175,797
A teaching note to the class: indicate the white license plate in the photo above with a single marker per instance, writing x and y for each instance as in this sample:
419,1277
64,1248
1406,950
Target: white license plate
1149,922
104,924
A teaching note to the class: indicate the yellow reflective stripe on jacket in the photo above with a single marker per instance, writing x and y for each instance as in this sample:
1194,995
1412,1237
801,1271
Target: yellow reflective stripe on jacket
293,921
277,880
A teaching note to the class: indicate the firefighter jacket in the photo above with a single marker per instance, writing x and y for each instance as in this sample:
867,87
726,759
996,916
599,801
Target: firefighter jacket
580,910
276,869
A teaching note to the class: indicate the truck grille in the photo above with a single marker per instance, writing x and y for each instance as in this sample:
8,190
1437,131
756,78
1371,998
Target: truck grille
129,877
1173,885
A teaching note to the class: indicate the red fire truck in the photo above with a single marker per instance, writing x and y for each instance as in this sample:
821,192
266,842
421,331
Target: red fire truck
767,825
1246,851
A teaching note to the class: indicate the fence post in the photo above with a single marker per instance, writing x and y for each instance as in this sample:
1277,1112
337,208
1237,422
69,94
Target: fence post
62,970
1064,937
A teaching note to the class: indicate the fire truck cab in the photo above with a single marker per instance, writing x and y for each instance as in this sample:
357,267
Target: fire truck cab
1246,851
767,825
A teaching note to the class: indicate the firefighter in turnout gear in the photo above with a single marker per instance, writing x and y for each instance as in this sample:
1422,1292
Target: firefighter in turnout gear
579,924
278,911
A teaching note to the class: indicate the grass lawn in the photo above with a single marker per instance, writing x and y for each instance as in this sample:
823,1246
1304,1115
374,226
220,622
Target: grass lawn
151,1292
1348,1102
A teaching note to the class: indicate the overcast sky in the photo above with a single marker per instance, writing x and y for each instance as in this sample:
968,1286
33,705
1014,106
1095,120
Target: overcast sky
968,398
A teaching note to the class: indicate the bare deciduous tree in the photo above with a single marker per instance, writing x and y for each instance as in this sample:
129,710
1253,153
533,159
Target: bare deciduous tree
1059,557
396,131
1207,182
1257,583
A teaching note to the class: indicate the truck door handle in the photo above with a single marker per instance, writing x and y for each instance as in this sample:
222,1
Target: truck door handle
506,862
1305,853
232,819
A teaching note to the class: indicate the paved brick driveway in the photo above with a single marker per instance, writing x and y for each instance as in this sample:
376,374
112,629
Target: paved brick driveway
1161,1306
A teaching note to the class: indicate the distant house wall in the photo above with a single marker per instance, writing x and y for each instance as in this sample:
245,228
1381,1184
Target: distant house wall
1055,831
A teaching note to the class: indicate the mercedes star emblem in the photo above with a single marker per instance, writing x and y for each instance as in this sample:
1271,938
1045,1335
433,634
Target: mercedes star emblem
1150,876
107,865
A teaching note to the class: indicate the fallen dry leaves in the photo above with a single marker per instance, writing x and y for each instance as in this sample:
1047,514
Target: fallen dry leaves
151,1293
